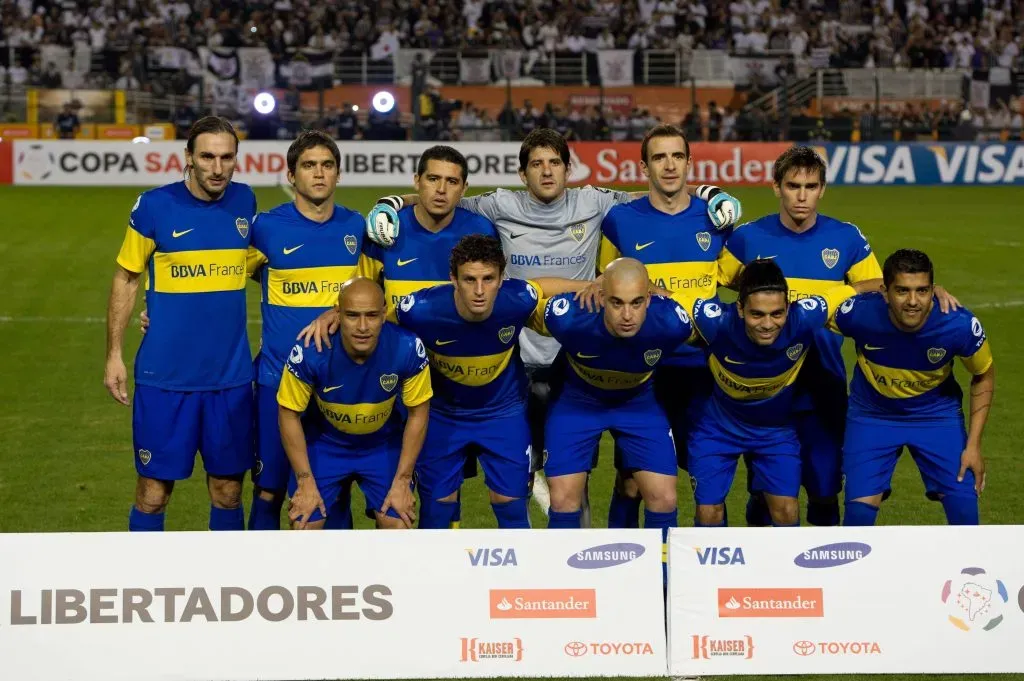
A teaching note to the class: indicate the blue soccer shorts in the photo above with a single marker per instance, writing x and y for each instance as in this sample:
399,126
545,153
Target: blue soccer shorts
501,445
639,426
371,466
169,427
773,455
873,446
272,469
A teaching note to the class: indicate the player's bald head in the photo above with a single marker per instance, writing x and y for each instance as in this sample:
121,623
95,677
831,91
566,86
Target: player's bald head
625,290
624,272
360,293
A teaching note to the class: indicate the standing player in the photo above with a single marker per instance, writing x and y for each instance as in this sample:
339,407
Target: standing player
674,236
550,231
354,431
756,350
471,329
904,394
193,371
301,253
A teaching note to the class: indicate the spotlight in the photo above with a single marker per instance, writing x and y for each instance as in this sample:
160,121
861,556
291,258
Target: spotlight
383,102
264,103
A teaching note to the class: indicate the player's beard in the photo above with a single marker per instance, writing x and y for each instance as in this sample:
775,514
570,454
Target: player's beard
202,181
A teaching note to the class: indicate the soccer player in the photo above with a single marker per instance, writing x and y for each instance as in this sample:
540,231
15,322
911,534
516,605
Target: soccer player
549,230
471,328
904,394
193,370
611,355
301,254
673,235
354,431
756,350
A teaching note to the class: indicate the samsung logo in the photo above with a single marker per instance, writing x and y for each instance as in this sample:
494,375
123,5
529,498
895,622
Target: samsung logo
832,555
606,555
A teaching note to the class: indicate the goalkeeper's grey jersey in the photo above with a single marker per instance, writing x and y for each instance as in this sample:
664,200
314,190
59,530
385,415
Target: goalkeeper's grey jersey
557,239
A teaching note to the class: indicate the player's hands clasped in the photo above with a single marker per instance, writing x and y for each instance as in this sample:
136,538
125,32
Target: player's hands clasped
320,329
115,379
973,460
304,502
400,498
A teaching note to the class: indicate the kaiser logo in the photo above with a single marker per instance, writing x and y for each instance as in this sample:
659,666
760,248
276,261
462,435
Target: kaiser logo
706,648
579,231
783,602
605,555
543,604
492,557
794,352
475,650
579,649
830,256
935,355
505,333
704,240
832,555
808,648
388,382
720,555
651,357
351,243
242,225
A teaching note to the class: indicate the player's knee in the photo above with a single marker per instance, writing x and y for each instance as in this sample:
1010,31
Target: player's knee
312,525
152,496
661,499
785,511
225,492
386,522
711,515
566,500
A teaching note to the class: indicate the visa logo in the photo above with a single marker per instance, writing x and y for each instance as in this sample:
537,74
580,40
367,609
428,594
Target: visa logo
870,164
720,555
991,164
492,557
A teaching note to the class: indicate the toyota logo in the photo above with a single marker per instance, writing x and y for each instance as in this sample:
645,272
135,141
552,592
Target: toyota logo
803,648
575,649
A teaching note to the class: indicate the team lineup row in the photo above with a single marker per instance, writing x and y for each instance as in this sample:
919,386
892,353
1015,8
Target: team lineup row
506,350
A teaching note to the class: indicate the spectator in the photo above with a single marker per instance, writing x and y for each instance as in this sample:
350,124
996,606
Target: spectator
67,125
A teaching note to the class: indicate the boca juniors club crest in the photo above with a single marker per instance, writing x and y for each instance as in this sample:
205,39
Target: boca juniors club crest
794,352
351,243
505,333
145,456
652,357
579,231
704,240
935,355
830,256
388,382
242,225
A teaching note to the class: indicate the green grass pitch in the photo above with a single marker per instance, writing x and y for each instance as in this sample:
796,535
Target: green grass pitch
67,461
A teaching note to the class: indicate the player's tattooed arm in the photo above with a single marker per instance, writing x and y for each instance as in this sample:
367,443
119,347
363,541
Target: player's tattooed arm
983,387
123,291
307,497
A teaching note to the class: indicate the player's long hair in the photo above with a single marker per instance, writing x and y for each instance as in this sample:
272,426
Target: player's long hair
214,124
907,261
477,248
543,138
310,139
798,158
761,276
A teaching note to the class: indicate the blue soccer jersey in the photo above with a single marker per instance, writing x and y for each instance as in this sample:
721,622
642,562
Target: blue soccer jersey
680,252
419,259
910,375
194,255
355,403
302,265
476,371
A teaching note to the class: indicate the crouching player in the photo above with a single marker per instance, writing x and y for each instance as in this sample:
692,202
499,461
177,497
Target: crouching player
755,351
904,394
354,431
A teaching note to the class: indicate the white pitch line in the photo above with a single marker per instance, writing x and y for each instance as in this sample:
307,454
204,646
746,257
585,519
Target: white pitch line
77,320
288,191
1005,303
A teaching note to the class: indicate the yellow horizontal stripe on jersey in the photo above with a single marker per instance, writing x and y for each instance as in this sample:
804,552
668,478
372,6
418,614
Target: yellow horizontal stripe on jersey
471,371
606,379
135,251
199,271
417,390
866,269
902,383
356,419
307,286
607,253
805,288
293,393
688,281
744,388
254,259
980,361
395,290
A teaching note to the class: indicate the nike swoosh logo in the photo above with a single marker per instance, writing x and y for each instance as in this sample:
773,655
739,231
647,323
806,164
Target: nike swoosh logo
444,342
766,257
333,387
641,247
176,233
873,347
732,361
582,356
403,263
516,236
289,251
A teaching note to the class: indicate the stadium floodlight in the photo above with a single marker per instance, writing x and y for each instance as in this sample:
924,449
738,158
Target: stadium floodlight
383,102
264,103
142,139
355,108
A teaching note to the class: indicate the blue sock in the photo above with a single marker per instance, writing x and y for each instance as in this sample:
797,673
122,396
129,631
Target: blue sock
437,515
757,511
565,521
456,521
662,521
859,514
512,515
263,514
227,519
145,522
823,512
623,511
339,513
961,510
